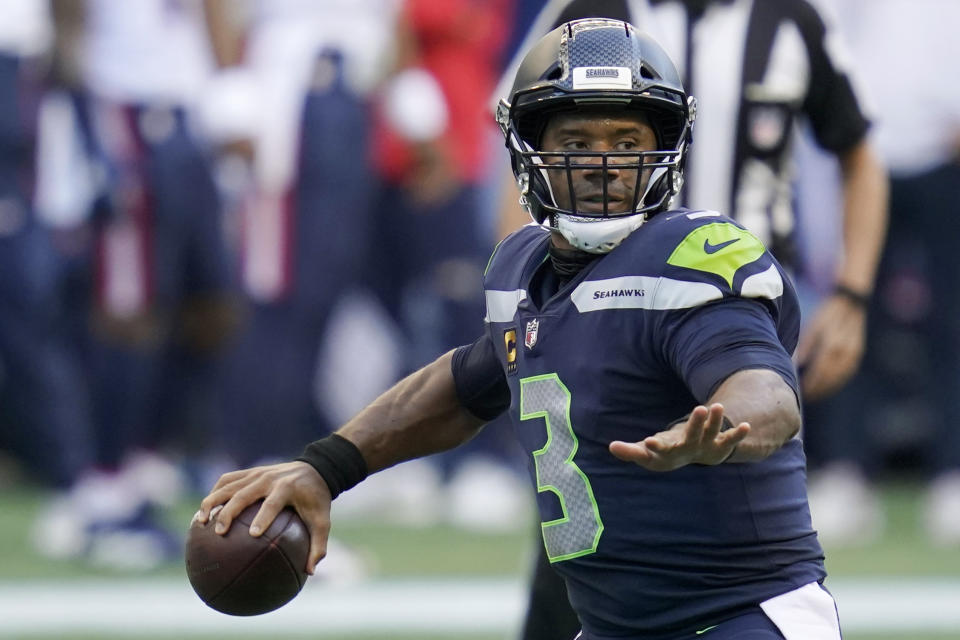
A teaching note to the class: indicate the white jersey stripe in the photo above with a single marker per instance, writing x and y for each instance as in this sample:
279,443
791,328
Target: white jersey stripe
502,305
768,284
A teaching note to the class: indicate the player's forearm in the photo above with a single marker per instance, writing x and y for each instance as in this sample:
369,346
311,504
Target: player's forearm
865,190
418,416
762,398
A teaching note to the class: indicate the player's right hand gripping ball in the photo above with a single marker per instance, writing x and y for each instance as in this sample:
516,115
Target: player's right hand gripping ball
241,575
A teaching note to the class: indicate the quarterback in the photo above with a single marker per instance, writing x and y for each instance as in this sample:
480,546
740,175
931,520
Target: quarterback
643,354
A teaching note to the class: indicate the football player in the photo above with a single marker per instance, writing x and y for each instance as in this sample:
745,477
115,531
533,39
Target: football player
643,354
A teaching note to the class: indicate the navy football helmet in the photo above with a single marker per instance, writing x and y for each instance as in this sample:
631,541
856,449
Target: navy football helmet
589,64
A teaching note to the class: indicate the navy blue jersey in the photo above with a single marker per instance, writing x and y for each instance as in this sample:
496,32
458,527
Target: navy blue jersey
633,342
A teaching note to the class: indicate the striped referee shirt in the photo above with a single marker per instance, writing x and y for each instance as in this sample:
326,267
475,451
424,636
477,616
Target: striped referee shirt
756,67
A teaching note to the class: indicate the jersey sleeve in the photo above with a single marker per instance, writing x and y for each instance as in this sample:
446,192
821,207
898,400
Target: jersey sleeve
726,304
716,258
706,345
479,379
832,105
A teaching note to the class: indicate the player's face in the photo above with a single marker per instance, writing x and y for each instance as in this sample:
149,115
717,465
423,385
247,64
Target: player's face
594,132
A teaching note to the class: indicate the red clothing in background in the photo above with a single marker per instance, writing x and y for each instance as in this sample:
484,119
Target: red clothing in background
460,42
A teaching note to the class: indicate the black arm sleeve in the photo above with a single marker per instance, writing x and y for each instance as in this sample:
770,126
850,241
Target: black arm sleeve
481,384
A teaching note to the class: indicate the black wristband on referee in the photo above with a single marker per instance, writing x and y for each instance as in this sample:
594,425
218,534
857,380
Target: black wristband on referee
861,300
338,461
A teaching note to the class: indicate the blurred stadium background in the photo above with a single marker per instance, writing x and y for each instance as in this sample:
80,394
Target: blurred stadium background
402,575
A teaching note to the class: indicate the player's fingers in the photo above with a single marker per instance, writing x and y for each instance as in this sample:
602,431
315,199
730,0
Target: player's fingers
202,516
229,478
220,495
657,444
319,534
638,453
712,423
227,485
316,516
629,451
693,433
733,437
266,514
210,502
698,417
234,506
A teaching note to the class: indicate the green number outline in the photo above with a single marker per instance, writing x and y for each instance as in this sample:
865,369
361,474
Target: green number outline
541,486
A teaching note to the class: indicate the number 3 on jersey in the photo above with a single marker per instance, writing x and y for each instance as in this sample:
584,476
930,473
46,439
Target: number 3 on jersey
578,532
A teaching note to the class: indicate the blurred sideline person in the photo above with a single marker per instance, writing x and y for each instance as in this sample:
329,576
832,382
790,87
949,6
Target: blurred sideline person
909,386
43,411
643,355
757,69
296,159
291,111
153,300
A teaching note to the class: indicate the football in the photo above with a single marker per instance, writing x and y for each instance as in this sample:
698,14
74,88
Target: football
240,575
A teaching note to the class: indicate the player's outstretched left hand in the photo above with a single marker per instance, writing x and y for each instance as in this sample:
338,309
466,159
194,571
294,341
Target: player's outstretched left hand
294,484
699,440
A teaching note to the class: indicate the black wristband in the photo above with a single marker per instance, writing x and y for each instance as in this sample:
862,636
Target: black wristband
861,300
338,461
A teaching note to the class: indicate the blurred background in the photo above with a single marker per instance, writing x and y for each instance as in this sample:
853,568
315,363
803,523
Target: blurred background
227,225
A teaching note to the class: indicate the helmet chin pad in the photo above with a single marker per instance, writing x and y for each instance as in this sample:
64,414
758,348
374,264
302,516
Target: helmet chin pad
597,236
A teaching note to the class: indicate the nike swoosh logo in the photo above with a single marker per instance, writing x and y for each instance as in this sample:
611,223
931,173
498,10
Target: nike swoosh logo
703,631
713,248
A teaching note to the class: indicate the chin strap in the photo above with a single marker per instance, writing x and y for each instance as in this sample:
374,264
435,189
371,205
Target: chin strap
569,262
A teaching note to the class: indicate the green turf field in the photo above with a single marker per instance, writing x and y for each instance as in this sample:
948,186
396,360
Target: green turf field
445,553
